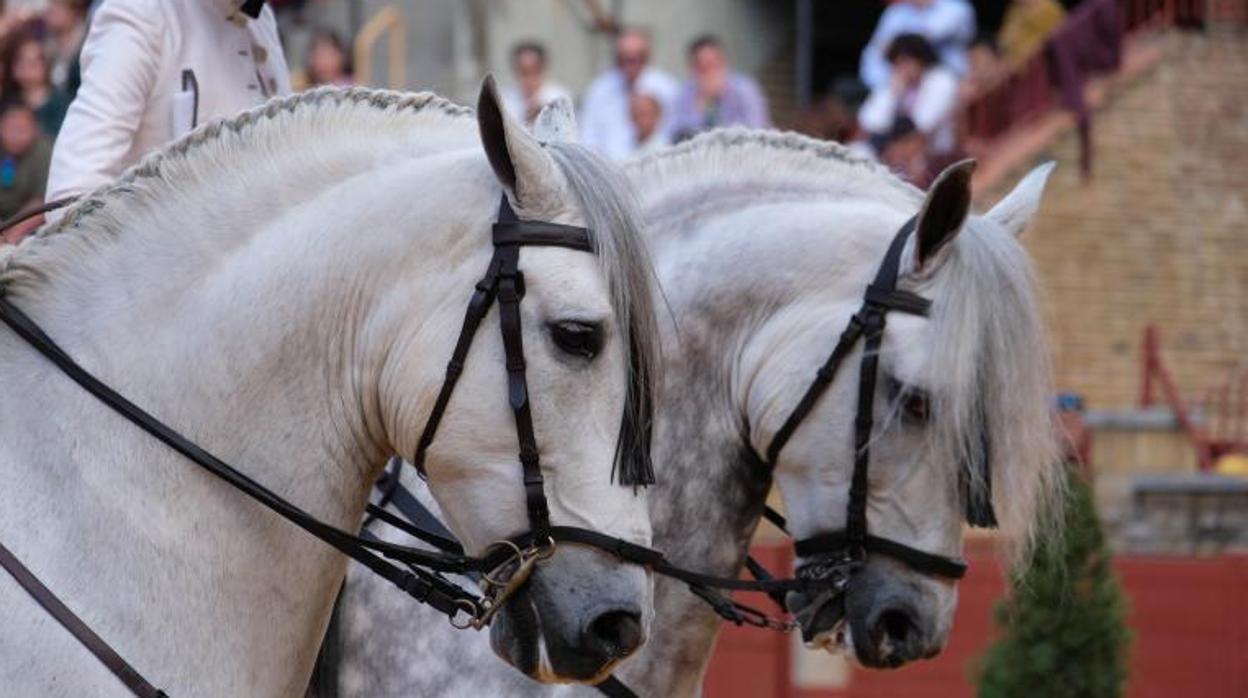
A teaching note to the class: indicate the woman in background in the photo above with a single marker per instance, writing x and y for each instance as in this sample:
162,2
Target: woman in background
327,61
27,76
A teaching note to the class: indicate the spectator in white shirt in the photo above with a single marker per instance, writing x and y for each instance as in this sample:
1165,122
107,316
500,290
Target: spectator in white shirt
605,123
948,24
533,90
647,113
919,89
151,71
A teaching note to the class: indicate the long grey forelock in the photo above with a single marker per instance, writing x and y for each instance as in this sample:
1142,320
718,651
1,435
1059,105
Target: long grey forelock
611,213
989,350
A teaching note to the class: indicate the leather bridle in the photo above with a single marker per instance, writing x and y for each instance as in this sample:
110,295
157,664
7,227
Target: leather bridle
836,554
421,573
832,557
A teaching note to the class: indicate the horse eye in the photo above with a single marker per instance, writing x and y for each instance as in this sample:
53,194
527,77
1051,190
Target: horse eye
915,408
913,402
577,338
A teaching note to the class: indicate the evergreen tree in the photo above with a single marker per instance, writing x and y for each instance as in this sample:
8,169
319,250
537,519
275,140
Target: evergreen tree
1064,634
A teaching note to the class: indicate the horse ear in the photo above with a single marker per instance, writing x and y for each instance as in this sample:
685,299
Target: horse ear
519,162
556,123
1016,210
943,214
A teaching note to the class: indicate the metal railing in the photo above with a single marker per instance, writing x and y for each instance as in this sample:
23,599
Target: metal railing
388,21
1224,425
1028,92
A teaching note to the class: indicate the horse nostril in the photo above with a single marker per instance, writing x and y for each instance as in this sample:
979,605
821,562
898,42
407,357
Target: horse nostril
615,634
896,635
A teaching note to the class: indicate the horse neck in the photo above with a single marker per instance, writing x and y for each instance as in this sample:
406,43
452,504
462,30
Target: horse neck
266,352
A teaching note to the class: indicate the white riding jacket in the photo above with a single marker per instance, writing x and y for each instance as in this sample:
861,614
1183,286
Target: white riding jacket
151,71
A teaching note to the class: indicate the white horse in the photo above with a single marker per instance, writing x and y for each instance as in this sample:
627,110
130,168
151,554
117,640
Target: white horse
764,243
285,288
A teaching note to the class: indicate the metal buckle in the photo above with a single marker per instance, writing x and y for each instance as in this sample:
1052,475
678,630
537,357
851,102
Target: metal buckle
470,608
498,591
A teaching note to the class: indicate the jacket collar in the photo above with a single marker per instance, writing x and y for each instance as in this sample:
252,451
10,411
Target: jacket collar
247,8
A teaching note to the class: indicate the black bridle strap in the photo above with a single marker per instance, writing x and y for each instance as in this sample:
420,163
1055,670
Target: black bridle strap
510,230
620,548
69,620
881,295
27,214
510,293
856,520
478,306
917,560
823,379
504,282
854,542
353,546
614,688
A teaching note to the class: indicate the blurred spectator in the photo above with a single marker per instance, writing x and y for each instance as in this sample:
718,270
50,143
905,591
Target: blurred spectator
149,76
1028,24
905,152
25,152
605,123
984,67
26,77
646,112
949,25
66,25
326,60
533,90
715,95
14,14
919,89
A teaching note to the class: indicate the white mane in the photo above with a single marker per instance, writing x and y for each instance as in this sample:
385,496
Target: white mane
788,166
301,133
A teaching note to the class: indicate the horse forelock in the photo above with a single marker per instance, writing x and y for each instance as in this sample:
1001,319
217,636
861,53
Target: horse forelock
990,356
610,209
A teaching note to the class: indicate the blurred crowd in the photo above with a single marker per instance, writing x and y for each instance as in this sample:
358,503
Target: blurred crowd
924,58
635,107
39,75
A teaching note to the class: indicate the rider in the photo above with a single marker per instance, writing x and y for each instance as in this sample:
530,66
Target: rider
154,69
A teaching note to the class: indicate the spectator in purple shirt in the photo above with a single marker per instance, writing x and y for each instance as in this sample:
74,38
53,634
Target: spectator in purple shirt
716,95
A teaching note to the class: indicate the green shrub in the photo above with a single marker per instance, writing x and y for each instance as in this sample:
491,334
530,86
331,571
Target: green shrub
1063,627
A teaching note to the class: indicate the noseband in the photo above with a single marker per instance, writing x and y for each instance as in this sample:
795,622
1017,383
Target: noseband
842,551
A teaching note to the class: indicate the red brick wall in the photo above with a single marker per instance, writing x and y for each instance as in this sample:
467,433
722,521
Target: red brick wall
1189,616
